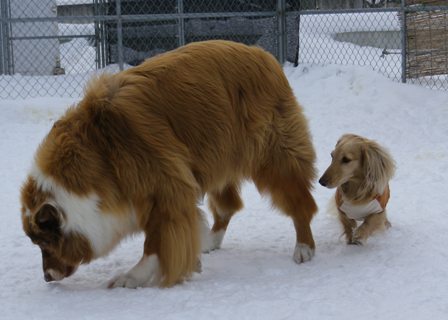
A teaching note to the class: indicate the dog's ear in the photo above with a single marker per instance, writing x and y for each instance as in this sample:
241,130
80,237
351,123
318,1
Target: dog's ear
377,164
49,219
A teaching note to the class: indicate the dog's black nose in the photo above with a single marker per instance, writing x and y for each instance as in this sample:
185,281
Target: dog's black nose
323,182
48,277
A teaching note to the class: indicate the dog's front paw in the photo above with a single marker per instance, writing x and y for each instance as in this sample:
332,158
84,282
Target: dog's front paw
143,274
358,238
124,280
303,252
356,242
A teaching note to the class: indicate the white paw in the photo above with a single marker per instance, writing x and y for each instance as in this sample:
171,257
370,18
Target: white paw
145,273
198,266
124,280
209,240
212,241
303,253
206,239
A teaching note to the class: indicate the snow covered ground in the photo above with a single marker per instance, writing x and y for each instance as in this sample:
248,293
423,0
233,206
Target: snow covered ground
401,274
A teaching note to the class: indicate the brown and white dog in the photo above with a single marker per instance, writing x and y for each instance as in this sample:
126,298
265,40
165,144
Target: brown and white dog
142,146
360,171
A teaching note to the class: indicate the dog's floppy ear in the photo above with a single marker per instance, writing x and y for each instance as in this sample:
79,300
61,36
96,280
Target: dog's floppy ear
377,164
48,218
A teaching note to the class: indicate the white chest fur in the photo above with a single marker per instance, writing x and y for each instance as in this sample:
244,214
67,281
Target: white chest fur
82,214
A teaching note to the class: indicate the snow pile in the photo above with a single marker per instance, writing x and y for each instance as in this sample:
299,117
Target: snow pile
400,274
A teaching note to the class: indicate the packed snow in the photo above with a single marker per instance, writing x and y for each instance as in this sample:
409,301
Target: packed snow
399,274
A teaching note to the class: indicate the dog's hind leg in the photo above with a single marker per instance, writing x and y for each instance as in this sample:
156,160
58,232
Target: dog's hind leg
294,199
223,204
287,173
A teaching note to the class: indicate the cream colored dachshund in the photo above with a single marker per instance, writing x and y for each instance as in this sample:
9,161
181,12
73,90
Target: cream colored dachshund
360,171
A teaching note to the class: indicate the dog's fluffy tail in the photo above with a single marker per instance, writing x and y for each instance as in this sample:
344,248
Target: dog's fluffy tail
180,248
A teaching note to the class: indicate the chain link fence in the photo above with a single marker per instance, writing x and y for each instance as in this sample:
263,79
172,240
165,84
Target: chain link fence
52,47
406,41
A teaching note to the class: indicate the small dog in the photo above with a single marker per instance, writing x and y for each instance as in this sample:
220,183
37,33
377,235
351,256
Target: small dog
360,171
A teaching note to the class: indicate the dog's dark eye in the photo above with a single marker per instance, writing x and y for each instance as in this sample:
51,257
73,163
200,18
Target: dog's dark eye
345,160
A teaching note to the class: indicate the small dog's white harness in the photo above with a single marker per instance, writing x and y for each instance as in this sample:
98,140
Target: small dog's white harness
360,211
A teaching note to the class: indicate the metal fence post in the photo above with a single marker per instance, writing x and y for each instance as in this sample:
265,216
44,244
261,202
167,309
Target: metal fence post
2,39
181,22
296,57
97,39
403,41
281,20
119,35
103,35
4,65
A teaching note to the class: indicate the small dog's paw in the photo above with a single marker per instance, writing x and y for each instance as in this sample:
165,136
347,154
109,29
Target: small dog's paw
124,281
303,253
356,242
358,239
359,236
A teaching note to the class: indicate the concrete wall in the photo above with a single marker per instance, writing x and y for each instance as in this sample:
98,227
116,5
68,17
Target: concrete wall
34,56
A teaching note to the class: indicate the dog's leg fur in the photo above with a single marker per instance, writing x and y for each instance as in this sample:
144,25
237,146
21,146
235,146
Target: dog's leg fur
287,175
293,198
172,244
372,223
349,225
223,205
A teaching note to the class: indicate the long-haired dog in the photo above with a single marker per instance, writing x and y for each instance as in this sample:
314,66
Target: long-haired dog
142,146
360,171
